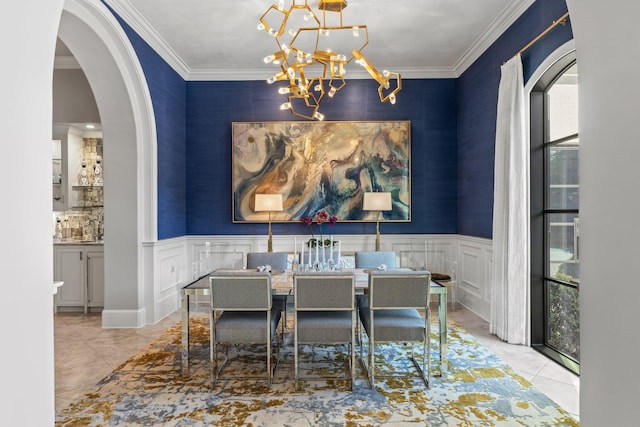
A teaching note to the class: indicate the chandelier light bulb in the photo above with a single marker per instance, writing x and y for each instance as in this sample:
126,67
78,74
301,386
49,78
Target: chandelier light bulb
272,32
392,99
317,87
284,90
318,116
285,106
260,26
307,16
324,32
269,58
332,92
355,31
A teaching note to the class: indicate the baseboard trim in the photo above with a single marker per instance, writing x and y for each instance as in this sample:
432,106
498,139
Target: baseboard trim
121,319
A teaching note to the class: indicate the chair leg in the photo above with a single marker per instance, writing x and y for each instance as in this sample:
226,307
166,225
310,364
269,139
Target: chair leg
269,373
295,347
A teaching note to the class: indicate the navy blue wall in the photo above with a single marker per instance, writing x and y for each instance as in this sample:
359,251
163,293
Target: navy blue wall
452,129
430,105
477,103
168,95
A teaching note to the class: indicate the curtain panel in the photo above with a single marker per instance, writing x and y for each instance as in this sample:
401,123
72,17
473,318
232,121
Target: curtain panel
509,292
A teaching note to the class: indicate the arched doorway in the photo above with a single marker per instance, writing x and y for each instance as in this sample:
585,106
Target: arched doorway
108,60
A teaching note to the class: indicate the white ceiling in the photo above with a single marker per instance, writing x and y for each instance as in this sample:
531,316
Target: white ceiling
218,39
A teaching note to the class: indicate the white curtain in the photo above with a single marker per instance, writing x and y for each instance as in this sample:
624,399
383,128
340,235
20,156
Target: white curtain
510,288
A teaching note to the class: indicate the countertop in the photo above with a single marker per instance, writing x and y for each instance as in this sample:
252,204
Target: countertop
79,242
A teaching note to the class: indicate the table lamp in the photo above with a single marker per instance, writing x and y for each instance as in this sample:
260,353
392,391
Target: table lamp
377,202
268,203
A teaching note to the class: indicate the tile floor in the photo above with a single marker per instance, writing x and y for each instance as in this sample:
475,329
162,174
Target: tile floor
85,353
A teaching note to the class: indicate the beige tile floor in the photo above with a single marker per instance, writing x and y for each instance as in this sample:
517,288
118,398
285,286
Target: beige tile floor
85,353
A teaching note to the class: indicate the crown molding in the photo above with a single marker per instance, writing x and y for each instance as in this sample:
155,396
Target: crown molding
141,26
351,74
132,17
507,17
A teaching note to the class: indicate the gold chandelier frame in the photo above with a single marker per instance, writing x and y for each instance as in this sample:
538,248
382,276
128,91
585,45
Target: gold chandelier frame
308,64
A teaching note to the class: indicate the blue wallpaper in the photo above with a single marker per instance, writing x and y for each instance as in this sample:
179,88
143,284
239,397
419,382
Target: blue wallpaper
168,95
430,105
452,129
477,103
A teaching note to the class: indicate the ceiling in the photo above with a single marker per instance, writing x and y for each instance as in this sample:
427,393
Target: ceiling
219,40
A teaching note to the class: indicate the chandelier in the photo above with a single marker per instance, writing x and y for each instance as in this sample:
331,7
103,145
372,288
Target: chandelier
312,55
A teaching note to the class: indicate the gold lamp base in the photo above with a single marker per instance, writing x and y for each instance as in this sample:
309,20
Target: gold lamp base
377,235
270,241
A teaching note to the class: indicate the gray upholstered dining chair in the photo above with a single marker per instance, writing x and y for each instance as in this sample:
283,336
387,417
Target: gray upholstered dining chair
324,310
389,313
277,260
242,313
375,259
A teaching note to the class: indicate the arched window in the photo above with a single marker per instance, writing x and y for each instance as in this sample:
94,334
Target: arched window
555,209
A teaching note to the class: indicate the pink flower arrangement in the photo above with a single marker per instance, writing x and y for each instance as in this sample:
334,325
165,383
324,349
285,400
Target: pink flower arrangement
321,217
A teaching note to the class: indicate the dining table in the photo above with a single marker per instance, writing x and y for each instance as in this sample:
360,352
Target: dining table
282,284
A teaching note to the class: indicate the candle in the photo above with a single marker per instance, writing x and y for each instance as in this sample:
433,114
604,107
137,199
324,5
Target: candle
302,253
317,250
339,252
331,248
324,261
425,255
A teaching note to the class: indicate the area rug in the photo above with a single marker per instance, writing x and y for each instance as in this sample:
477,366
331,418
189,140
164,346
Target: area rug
477,389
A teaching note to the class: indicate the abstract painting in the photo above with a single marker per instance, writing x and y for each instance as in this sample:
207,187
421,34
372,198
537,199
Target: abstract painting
321,166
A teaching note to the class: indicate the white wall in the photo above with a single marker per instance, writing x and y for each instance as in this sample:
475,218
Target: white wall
26,306
606,36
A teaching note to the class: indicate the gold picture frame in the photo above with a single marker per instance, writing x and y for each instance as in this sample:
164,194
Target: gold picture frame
325,165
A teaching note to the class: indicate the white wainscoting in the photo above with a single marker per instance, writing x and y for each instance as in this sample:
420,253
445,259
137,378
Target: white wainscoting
173,263
475,259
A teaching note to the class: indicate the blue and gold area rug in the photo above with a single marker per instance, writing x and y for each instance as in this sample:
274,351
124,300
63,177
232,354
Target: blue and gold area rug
478,389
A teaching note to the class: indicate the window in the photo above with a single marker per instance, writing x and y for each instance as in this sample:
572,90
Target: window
555,219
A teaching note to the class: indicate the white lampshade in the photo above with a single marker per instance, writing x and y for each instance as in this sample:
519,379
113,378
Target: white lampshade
268,202
376,202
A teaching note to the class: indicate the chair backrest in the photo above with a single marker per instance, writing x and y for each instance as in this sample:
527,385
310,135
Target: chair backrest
399,289
375,259
324,290
240,290
274,259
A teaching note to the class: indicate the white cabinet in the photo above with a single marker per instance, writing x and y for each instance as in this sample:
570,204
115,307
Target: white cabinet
81,268
95,278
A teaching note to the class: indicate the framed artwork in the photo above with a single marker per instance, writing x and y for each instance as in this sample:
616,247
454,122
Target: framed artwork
321,166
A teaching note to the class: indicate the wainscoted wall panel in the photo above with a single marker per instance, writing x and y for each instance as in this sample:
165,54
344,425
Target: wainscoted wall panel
477,103
171,274
181,260
475,257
